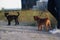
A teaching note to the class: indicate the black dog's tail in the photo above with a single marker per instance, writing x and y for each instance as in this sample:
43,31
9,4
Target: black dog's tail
18,13
6,14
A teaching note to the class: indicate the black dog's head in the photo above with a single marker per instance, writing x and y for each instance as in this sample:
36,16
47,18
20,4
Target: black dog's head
6,14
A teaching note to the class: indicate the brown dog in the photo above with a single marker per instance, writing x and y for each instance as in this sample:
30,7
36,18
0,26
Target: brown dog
43,21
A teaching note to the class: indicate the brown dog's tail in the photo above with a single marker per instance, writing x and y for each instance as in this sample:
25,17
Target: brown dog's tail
18,13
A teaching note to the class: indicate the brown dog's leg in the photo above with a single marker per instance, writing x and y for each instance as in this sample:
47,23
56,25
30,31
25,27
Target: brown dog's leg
46,26
49,24
39,27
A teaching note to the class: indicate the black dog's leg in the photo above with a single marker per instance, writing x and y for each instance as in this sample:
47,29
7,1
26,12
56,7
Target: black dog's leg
9,22
16,22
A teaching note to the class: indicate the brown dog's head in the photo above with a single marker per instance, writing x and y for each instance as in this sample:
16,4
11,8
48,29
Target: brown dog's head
36,18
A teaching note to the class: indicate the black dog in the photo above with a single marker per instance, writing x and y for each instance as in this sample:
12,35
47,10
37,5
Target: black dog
12,17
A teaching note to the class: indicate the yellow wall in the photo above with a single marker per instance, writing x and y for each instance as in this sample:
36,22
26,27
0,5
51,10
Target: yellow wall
27,15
